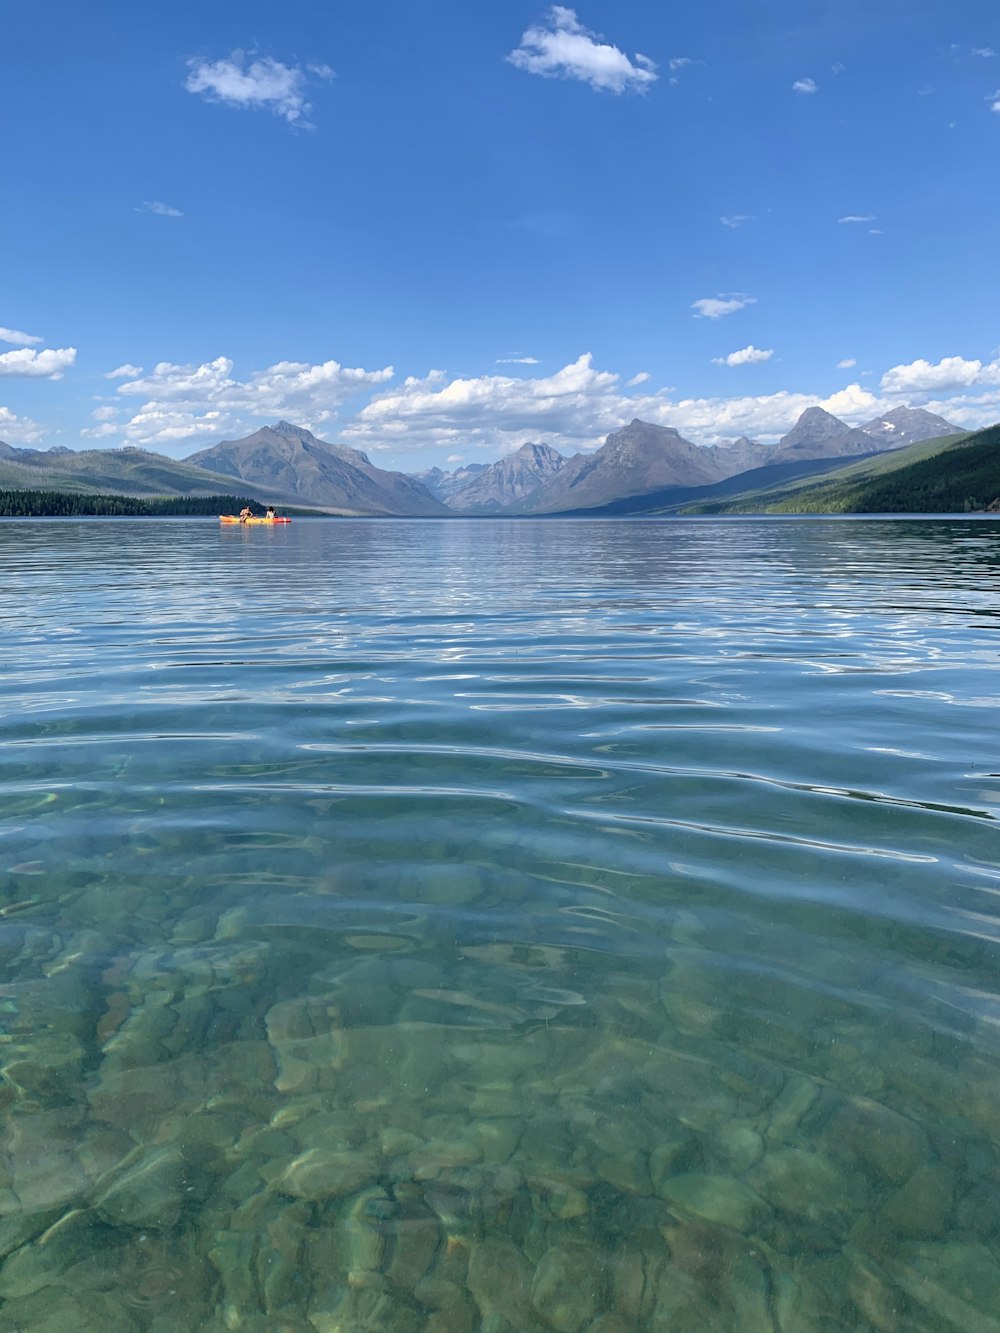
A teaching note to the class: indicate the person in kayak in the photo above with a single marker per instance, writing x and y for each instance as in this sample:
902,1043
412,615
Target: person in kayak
270,512
245,513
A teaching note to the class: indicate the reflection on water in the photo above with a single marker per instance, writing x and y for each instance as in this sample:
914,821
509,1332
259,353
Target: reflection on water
511,927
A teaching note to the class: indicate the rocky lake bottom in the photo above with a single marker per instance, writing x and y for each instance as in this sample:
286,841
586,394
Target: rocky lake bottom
500,928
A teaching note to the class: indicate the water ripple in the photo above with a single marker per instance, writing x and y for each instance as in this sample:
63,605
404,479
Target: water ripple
686,825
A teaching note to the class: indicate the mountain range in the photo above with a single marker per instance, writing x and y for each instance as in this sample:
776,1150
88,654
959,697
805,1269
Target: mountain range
290,461
640,468
642,459
949,475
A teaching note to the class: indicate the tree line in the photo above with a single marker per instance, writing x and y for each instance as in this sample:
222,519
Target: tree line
63,504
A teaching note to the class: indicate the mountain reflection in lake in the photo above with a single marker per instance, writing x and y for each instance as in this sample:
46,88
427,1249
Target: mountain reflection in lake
516,927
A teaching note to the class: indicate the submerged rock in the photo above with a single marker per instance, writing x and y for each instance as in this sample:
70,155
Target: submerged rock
320,1175
49,1181
452,1311
802,1185
676,1151
45,1261
148,1189
47,1072
957,1283
415,1237
568,1286
890,1143
919,1209
49,1311
720,1199
308,1043
626,1171
738,1146
282,1279
363,1307
611,1323
362,1231
790,1107
500,1279
232,1254
879,1300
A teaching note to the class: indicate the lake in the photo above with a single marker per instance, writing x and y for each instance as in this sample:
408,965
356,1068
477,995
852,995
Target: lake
500,926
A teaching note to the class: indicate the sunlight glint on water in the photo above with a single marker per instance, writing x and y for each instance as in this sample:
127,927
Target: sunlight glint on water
508,926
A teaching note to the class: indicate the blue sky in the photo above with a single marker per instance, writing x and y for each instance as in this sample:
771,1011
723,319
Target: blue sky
437,231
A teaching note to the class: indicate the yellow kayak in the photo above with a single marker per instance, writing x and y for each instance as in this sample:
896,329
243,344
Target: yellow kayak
231,518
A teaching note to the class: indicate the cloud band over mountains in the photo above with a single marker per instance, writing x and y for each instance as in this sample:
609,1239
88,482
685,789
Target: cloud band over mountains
182,407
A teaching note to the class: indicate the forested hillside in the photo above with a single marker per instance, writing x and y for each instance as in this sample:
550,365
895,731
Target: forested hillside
62,504
934,477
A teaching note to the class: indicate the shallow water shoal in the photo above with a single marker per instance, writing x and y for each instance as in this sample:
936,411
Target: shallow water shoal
417,925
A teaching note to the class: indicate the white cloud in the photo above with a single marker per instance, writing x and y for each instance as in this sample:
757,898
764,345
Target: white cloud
851,403
804,86
837,67
735,220
969,411
159,208
47,364
951,372
21,430
183,401
714,307
994,100
677,63
283,384
256,83
746,356
127,371
18,338
574,409
848,363
985,52
490,415
767,417
517,361
567,50
858,217
497,412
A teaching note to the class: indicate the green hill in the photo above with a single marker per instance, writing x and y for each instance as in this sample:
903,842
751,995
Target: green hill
955,474
128,472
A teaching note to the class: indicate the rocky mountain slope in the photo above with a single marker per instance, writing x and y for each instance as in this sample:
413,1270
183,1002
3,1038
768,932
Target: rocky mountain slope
908,425
640,468
507,482
290,459
644,459
819,434
640,457
443,485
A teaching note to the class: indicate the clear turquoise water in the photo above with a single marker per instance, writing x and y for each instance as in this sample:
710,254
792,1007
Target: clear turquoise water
500,926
